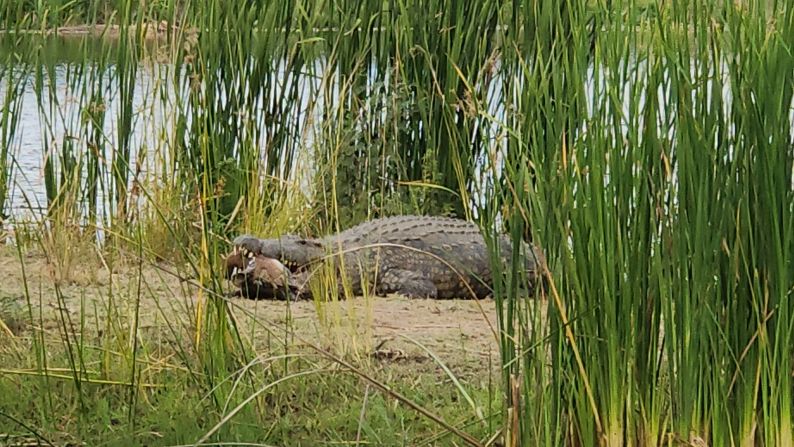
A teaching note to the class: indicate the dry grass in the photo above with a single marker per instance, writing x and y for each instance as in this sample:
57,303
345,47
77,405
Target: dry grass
455,330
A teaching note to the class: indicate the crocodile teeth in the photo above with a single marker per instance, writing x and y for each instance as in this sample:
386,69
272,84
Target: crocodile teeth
235,270
251,262
250,255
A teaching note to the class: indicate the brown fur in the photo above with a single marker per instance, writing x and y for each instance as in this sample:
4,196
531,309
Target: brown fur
257,276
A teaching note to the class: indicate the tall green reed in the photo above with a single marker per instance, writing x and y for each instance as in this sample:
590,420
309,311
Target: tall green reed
647,147
659,179
13,81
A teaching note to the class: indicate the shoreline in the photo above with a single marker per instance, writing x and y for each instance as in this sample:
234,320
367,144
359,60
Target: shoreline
149,31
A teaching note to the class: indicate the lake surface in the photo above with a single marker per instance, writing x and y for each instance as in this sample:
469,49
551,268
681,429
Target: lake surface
48,120
56,113
52,121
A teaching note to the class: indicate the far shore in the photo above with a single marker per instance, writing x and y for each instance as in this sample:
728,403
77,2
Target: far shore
149,31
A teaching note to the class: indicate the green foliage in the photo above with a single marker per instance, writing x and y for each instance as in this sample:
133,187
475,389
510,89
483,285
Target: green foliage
646,146
326,405
9,120
661,183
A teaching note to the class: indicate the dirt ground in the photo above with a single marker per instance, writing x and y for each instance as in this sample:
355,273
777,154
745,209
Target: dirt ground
460,333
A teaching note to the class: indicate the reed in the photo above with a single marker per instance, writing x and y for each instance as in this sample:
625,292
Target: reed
9,121
646,146
638,166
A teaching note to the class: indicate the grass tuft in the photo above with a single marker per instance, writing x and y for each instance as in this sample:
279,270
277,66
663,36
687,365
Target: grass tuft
646,146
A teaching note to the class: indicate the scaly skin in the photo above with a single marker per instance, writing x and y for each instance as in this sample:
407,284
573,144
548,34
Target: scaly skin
416,256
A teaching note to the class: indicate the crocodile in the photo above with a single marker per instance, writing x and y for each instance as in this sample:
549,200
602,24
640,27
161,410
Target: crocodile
414,256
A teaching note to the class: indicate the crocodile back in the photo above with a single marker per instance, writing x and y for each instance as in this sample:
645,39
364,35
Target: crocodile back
450,252
407,227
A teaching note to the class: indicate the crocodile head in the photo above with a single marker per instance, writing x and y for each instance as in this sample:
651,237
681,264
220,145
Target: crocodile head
257,276
293,251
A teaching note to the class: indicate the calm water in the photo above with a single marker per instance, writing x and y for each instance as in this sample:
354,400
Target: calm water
52,121
155,108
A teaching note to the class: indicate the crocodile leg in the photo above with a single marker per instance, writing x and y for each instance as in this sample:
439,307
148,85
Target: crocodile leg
407,282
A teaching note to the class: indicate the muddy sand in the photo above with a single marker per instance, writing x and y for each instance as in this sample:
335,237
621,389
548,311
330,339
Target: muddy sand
461,333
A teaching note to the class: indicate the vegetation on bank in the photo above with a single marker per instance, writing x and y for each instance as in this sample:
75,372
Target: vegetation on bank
647,147
66,373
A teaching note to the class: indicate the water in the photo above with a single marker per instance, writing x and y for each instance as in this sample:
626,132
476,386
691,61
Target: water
58,115
37,126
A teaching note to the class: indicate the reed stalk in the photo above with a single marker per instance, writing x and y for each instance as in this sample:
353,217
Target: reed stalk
646,146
